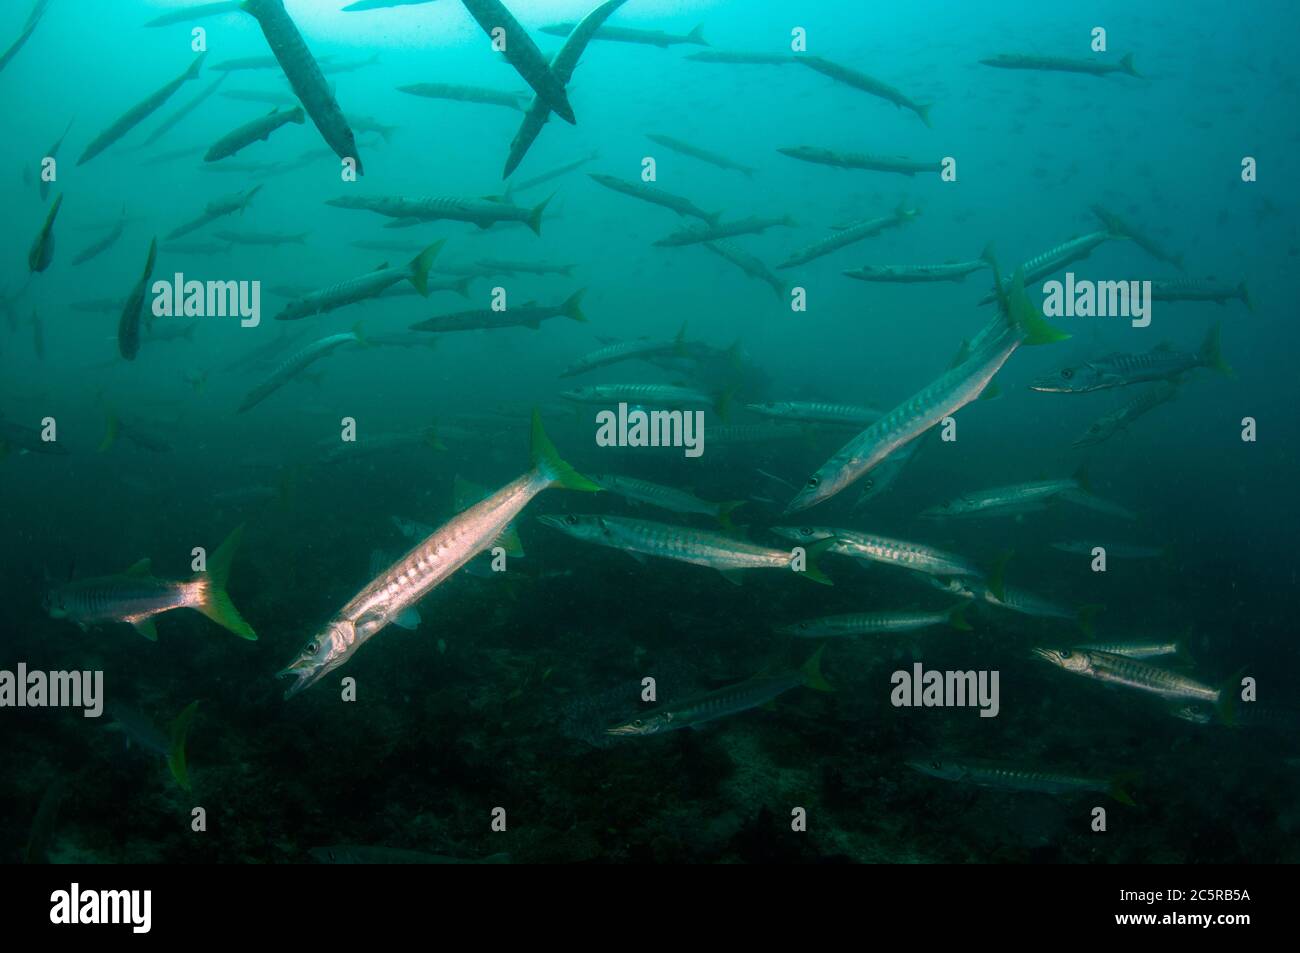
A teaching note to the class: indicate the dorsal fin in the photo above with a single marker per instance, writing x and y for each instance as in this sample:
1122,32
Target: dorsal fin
141,568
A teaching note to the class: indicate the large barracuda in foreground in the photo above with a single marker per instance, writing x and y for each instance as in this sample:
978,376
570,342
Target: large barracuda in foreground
522,53
137,113
363,287
305,76
1018,324
731,700
699,547
136,596
430,563
562,67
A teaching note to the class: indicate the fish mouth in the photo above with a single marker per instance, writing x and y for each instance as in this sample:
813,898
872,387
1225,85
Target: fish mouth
305,678
555,522
621,731
1044,655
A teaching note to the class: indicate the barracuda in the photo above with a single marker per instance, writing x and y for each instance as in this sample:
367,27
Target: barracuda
1120,370
881,549
817,412
305,76
744,226
430,563
522,53
258,129
363,287
1106,426
136,596
136,114
1004,777
695,152
295,365
860,160
908,274
562,66
868,84
1054,259
1019,324
1000,500
1202,289
876,623
667,497
1138,650
725,701
642,538
655,196
1133,673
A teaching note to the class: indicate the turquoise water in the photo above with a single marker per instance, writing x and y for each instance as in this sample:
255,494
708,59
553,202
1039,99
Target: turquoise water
499,698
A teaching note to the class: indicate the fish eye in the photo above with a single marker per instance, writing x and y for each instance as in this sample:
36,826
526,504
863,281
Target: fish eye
1066,653
870,483
571,520
638,723
313,647
937,765
1067,373
805,531
1094,428
813,481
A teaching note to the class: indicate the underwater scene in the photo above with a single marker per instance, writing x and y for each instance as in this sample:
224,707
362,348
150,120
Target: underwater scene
653,431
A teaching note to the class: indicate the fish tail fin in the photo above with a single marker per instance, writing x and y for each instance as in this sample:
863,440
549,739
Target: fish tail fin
111,427
957,616
1212,352
1026,318
1177,261
998,576
361,338
193,71
722,404
153,257
1225,706
924,113
1085,616
679,342
298,116
1245,296
462,286
535,216
989,255
1126,64
180,729
572,307
214,602
420,265
696,36
548,460
1081,478
811,570
725,510
812,672
1118,788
